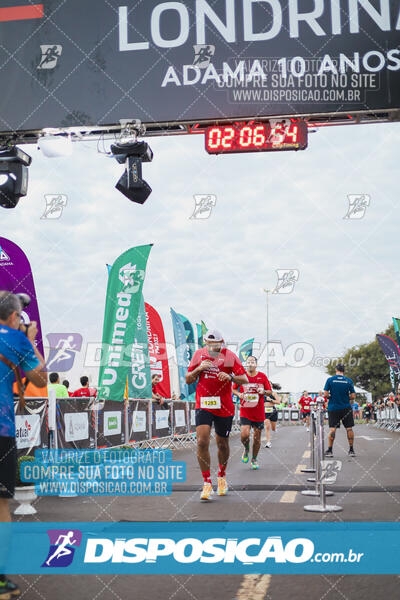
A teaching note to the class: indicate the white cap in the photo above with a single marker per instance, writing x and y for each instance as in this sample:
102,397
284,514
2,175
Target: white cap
213,335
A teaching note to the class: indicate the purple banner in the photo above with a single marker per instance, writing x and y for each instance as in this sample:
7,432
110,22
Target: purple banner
16,277
391,352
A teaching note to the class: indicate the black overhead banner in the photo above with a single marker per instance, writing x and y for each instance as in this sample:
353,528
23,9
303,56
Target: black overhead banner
75,63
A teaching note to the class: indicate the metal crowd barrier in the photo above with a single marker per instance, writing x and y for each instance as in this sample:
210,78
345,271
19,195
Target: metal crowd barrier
388,418
325,470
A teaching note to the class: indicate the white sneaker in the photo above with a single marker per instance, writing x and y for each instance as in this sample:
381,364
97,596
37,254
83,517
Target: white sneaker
308,429
207,492
268,445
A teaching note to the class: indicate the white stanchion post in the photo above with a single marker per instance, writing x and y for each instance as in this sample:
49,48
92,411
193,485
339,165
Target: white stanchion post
320,483
52,419
311,468
149,419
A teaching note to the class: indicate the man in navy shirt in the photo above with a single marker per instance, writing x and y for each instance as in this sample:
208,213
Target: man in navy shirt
17,347
340,391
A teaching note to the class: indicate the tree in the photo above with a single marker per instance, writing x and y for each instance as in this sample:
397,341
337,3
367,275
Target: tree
367,366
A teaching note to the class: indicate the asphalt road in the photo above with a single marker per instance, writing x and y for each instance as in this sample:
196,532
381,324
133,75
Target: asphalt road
367,487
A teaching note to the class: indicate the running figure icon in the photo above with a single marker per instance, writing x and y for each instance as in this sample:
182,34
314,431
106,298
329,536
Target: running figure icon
65,348
62,550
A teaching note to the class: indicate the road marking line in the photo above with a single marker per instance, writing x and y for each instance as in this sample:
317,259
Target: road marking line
307,454
288,496
254,587
370,439
299,468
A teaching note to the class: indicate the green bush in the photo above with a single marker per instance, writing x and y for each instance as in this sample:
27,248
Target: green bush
22,459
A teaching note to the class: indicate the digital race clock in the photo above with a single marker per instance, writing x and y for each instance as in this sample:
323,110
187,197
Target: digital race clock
286,134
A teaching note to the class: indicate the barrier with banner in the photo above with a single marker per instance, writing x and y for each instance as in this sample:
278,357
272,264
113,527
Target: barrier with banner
83,423
31,426
161,423
180,422
75,423
138,419
111,424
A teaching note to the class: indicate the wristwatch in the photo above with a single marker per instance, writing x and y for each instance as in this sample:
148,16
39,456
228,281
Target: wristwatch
231,376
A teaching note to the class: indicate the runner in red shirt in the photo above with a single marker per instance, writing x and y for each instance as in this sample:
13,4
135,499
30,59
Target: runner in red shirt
156,392
85,391
215,367
304,404
251,397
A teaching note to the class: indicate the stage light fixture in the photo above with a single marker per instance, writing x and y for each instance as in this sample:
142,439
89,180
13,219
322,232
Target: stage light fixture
14,164
133,154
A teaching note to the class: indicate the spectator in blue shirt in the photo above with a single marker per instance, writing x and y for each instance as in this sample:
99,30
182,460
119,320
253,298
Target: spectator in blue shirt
17,349
340,391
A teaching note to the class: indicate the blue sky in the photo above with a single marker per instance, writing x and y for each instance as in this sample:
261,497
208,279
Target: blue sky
273,211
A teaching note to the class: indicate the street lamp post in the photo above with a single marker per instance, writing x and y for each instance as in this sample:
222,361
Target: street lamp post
267,292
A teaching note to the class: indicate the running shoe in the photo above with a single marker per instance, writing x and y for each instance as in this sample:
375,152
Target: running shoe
245,456
329,452
254,463
222,486
207,492
268,445
8,590
351,452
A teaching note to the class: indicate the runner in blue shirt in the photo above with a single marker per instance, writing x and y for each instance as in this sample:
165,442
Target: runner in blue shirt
16,349
340,391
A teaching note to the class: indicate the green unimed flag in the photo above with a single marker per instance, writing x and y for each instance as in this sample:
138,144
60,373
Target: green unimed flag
246,350
201,331
139,379
124,293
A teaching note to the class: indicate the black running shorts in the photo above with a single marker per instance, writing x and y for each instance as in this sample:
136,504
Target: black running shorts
255,424
222,425
8,466
272,416
345,415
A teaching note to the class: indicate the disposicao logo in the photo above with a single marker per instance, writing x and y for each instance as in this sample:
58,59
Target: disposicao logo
190,550
62,547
